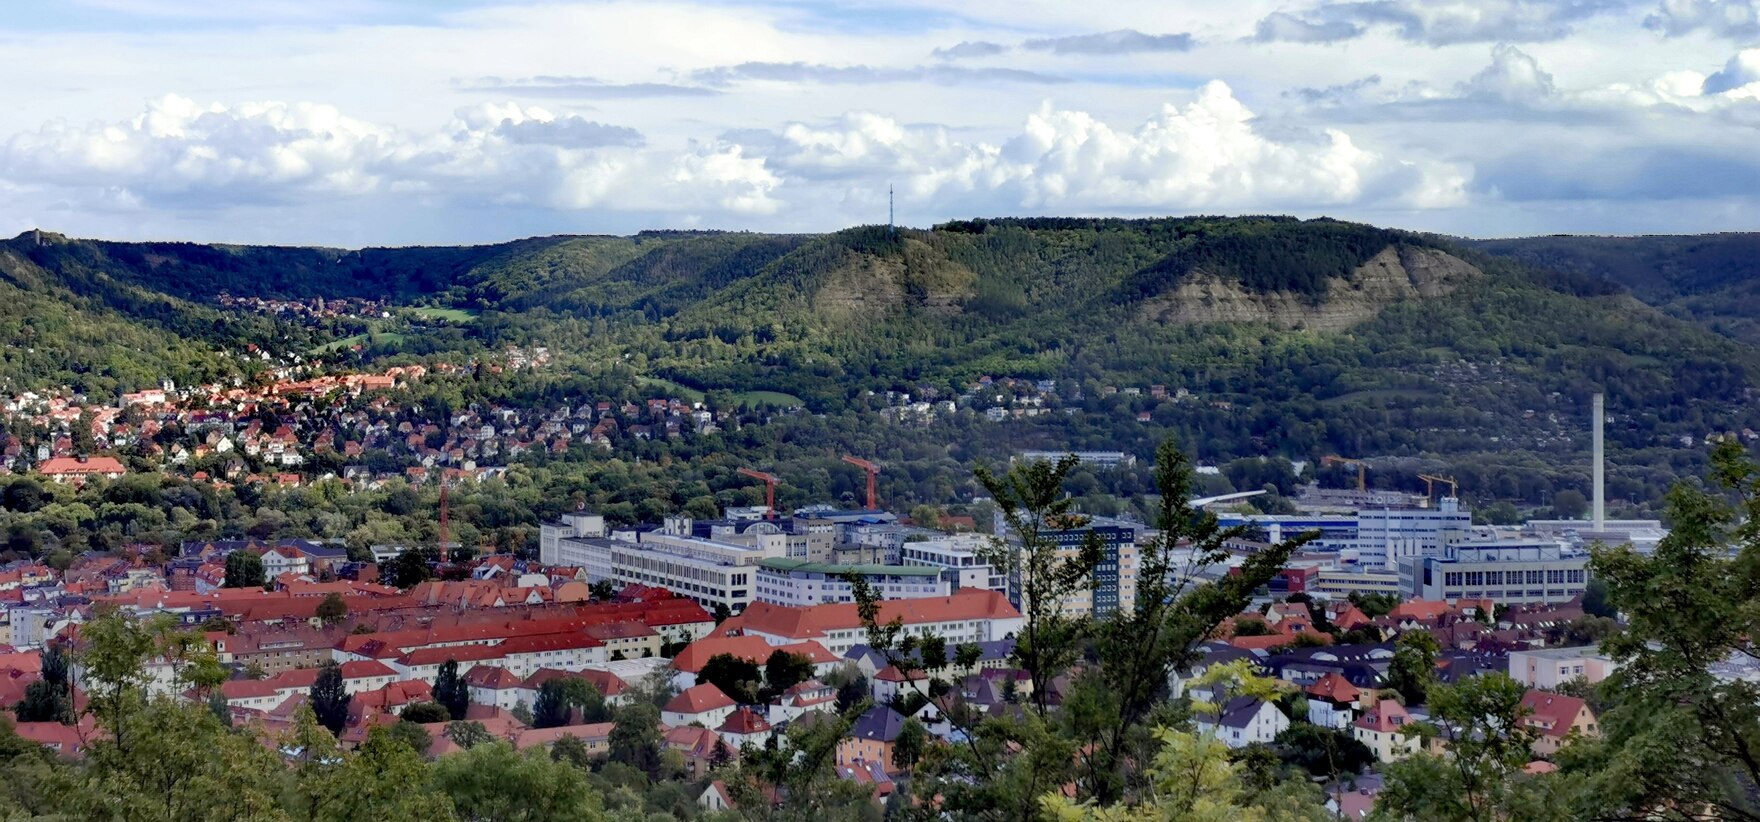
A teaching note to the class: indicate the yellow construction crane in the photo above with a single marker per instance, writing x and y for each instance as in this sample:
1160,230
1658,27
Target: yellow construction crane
1362,468
1430,482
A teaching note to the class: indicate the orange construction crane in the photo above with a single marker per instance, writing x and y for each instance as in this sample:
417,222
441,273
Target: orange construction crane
769,481
873,472
1454,488
1362,469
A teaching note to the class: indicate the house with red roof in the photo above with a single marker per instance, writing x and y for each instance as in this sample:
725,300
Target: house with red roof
494,685
803,697
699,748
703,704
1555,719
79,469
1333,701
595,736
744,727
1380,728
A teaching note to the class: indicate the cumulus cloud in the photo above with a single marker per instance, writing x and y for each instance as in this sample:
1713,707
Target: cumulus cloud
1438,22
1729,18
1513,76
1123,41
1741,72
969,48
180,152
1208,153
864,75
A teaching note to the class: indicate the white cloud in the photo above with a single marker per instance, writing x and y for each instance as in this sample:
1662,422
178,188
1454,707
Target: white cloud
504,154
1440,22
1740,76
1513,75
1206,154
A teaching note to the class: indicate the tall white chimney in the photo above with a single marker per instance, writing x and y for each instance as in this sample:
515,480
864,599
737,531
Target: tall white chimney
1600,509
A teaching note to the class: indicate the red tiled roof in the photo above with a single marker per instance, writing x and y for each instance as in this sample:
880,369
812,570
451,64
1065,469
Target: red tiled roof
696,700
814,621
1551,714
1421,610
73,466
698,653
1334,687
491,676
744,721
692,741
548,736
1387,715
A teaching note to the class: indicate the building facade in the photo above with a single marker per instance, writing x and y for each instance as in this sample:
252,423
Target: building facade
1387,535
800,582
1505,571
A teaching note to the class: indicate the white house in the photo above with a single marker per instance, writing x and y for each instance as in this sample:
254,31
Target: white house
1243,721
704,704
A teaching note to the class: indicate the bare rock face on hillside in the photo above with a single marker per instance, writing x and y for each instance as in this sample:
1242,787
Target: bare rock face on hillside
1394,275
867,286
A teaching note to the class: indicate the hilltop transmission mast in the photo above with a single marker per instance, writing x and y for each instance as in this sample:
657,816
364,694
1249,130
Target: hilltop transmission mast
889,229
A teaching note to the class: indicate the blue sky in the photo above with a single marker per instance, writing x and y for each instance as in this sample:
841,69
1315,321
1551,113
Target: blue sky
381,122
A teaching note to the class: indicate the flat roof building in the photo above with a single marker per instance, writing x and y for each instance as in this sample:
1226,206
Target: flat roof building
786,581
1505,571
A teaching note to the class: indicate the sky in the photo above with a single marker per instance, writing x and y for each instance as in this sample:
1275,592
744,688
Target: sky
355,123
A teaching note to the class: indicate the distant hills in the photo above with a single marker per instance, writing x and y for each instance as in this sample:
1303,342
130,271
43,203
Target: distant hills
1299,337
1713,279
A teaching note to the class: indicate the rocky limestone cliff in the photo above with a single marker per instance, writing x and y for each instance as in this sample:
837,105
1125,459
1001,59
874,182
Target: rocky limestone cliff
1397,273
870,286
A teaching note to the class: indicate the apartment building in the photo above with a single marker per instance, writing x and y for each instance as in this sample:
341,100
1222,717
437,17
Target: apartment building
959,561
965,616
800,582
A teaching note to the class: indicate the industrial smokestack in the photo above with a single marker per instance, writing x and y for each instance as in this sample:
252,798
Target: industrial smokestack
1600,505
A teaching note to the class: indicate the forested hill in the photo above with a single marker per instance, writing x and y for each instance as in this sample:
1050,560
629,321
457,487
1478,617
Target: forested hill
1294,337
1711,278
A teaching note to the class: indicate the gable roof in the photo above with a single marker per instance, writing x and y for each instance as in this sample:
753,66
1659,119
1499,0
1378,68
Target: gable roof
744,721
698,699
1551,714
880,723
1240,711
1387,715
1334,688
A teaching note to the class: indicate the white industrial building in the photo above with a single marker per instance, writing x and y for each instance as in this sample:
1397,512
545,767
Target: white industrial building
1505,571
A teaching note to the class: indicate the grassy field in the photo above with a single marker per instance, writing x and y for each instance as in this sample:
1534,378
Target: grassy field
771,399
358,339
457,315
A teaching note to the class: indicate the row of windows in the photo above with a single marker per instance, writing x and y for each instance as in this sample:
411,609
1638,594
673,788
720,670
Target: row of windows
1556,576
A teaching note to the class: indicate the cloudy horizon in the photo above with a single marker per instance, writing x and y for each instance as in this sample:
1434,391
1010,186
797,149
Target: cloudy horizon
396,122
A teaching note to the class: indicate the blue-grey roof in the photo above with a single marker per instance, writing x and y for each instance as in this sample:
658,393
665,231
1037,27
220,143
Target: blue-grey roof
880,723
